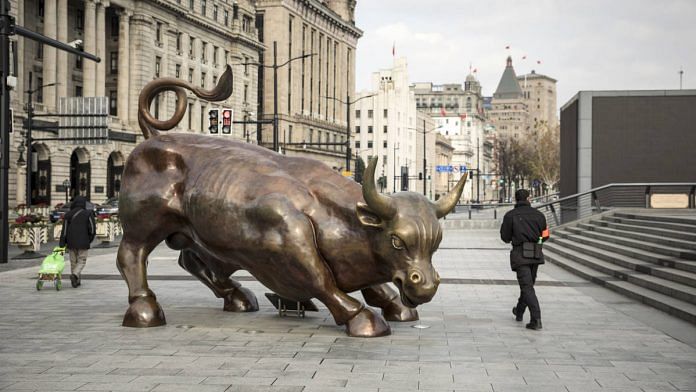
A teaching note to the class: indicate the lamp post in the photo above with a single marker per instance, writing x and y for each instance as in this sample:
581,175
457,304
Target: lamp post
29,141
66,186
348,103
396,147
275,67
425,160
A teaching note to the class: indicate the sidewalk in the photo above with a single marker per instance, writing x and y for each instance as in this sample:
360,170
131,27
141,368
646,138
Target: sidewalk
593,339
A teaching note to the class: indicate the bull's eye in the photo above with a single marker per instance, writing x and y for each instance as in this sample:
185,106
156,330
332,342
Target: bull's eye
398,243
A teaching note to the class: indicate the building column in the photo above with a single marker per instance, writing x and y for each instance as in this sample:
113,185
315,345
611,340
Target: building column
101,49
62,62
89,67
141,67
49,55
123,84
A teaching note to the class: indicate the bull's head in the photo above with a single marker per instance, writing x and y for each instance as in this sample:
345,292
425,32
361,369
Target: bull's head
408,233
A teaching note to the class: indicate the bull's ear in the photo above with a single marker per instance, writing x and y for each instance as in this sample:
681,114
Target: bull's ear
368,217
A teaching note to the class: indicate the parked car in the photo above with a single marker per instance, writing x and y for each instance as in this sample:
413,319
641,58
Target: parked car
62,209
109,207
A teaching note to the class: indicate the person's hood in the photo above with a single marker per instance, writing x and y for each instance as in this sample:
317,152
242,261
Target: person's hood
79,202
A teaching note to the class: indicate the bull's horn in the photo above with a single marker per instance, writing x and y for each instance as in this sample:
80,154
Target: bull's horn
380,204
446,203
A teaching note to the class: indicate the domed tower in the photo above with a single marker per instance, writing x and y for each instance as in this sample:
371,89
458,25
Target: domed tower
344,8
472,85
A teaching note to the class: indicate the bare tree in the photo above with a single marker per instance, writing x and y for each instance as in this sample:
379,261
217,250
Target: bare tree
546,155
513,158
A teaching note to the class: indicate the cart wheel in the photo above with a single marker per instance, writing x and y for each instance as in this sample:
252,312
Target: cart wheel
59,284
39,284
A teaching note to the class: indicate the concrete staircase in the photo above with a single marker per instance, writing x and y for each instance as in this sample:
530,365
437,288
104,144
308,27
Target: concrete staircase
647,255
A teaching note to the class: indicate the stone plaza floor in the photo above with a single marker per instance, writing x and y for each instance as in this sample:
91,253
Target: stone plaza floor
593,339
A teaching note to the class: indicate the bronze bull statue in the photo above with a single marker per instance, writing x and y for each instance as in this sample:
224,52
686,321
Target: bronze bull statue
297,226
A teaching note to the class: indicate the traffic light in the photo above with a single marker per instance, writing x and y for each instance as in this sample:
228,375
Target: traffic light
214,121
226,121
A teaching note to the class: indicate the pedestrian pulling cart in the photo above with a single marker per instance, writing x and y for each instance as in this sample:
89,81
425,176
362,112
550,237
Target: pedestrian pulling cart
52,269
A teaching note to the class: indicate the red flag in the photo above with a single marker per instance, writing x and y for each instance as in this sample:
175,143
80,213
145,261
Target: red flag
462,116
524,57
475,69
507,47
538,61
442,111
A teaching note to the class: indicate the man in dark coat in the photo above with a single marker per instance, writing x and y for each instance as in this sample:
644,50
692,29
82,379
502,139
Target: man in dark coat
525,227
78,233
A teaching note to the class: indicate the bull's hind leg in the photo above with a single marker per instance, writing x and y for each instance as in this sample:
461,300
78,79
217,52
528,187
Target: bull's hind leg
236,297
144,311
387,299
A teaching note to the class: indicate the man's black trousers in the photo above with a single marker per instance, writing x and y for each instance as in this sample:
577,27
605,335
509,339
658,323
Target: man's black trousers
526,277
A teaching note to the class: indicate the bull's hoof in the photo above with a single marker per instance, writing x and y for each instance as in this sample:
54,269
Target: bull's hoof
241,300
144,312
396,311
367,324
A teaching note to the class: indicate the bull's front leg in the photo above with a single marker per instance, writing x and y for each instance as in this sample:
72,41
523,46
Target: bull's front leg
387,299
143,310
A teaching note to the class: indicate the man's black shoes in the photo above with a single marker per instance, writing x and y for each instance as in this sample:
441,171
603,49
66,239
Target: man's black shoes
74,280
534,324
518,317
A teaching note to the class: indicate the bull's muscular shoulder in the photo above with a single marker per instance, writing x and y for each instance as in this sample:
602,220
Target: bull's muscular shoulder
158,154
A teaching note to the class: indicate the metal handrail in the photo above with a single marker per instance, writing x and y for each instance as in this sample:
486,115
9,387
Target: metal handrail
633,184
575,208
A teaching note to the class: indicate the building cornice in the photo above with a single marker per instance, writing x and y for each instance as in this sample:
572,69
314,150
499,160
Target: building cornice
315,6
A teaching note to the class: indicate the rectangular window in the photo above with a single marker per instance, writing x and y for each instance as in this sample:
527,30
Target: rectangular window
113,63
190,116
204,49
289,133
214,80
215,52
80,19
292,19
357,114
203,75
384,144
41,9
369,129
191,7
78,59
114,26
78,91
177,71
39,92
357,144
158,32
226,16
386,113
311,135
192,42
215,13
178,42
246,93
369,113
357,129
158,66
369,144
190,78
385,129
113,107
203,114
204,5
39,50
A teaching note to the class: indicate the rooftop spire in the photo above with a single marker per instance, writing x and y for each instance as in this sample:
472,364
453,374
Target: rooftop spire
509,87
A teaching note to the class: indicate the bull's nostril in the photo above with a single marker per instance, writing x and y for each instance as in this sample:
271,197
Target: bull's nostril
437,278
415,277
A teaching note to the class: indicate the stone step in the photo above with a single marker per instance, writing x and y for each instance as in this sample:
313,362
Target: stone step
673,306
624,262
687,254
647,223
677,290
598,248
648,229
644,237
689,219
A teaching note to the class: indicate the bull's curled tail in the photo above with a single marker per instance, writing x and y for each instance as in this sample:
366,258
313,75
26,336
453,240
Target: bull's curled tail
150,126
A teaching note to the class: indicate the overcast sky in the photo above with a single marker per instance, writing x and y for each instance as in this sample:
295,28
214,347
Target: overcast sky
584,44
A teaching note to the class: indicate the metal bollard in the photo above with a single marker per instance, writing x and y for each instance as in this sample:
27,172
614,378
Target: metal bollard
469,212
495,213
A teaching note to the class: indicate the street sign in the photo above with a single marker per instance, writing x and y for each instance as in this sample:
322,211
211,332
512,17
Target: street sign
450,169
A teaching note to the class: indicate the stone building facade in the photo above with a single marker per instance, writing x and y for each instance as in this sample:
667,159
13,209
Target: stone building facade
385,125
539,94
509,114
137,40
426,136
443,157
312,91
